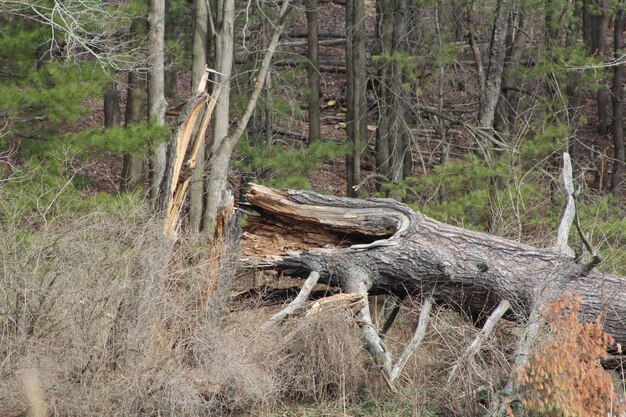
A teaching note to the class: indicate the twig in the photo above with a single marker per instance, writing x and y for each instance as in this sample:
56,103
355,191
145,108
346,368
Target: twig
484,333
420,332
279,317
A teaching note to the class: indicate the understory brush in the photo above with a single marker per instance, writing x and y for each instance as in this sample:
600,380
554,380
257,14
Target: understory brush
110,318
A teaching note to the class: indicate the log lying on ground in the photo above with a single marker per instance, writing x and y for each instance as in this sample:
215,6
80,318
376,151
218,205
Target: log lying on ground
380,245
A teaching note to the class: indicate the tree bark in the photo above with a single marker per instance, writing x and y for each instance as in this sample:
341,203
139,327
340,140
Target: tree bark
132,168
356,117
156,88
594,27
112,112
398,140
618,106
313,70
493,75
222,149
200,50
389,248
384,29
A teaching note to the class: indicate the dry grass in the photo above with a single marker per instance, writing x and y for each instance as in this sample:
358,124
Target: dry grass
114,320
102,316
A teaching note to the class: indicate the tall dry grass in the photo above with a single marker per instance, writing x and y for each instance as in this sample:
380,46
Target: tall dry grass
106,317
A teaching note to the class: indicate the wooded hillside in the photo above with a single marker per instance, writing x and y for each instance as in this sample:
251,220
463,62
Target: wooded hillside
217,207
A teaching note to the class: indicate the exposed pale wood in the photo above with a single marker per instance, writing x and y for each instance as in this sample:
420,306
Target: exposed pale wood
355,301
175,185
562,235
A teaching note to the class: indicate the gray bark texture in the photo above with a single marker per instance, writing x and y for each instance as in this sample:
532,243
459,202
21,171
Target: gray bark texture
356,116
382,246
618,106
384,31
493,76
156,87
313,70
198,65
223,146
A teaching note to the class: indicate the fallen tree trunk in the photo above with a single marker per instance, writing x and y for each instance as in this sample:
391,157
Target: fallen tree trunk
380,245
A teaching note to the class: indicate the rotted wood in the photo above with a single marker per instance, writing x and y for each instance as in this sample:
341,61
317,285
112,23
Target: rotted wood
380,245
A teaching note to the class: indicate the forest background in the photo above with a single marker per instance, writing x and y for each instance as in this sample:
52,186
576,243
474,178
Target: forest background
461,109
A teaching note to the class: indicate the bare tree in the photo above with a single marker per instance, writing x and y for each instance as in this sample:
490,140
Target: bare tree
224,142
156,87
618,104
200,50
493,76
356,117
313,70
89,29
594,26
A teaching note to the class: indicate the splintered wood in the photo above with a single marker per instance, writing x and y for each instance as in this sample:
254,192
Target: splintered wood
286,224
182,168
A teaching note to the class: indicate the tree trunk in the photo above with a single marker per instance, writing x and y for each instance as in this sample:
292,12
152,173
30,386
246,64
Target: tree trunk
356,117
132,168
516,44
313,68
156,88
222,148
493,76
594,22
112,112
618,106
350,131
384,29
216,181
399,143
385,247
200,49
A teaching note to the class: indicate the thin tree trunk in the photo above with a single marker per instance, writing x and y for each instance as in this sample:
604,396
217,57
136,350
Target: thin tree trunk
313,70
132,169
516,44
112,112
269,106
170,74
156,88
224,49
594,26
357,134
349,23
493,76
399,148
222,149
200,49
573,89
618,106
385,39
